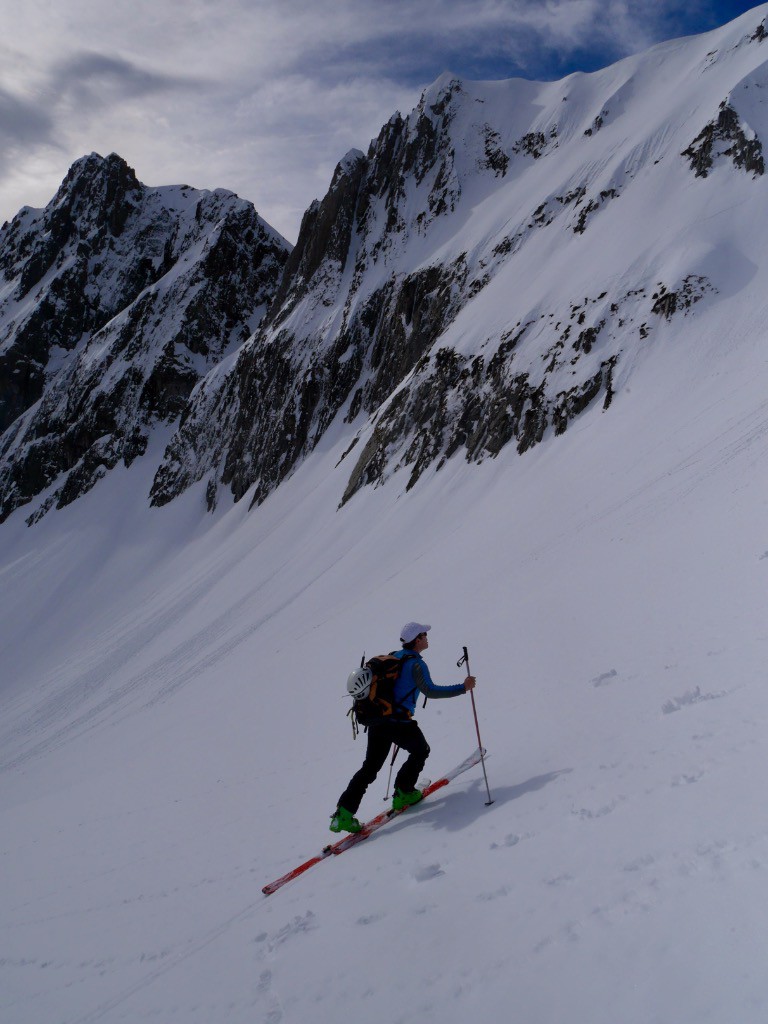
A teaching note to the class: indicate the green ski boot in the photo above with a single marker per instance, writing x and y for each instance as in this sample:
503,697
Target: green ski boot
402,800
344,821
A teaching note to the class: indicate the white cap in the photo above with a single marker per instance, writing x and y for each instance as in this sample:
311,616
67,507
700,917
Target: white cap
411,630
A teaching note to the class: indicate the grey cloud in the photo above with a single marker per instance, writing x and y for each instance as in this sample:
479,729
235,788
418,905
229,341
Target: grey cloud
292,85
24,126
61,110
414,45
23,123
98,78
487,38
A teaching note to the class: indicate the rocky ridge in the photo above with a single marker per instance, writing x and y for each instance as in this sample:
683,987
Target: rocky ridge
115,300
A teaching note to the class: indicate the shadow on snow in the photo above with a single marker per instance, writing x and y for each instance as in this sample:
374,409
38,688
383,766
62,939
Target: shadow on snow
455,811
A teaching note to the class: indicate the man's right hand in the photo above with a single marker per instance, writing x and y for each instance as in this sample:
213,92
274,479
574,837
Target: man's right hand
469,683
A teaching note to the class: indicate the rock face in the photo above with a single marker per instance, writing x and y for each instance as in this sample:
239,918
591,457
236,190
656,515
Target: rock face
347,325
726,136
114,301
493,267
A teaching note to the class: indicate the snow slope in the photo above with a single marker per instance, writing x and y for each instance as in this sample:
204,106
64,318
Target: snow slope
173,735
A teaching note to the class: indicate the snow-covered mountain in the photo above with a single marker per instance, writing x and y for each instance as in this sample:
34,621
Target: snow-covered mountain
495,264
172,709
114,301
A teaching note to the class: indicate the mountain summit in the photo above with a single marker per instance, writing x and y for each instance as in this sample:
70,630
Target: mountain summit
115,300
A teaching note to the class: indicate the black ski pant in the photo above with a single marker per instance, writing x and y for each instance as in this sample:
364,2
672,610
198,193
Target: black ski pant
406,735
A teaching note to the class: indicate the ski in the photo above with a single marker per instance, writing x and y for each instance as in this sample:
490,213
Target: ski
370,826
382,819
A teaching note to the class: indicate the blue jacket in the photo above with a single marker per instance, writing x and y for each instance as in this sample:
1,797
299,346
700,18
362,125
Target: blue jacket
415,679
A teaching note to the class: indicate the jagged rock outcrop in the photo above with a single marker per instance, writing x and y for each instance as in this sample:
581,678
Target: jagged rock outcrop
345,326
726,136
114,302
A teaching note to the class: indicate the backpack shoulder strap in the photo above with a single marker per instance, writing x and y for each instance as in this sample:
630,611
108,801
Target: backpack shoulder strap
410,656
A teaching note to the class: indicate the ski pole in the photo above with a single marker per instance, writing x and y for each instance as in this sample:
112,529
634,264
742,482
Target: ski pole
464,660
391,763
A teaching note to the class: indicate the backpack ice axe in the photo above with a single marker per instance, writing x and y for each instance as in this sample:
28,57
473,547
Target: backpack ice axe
464,660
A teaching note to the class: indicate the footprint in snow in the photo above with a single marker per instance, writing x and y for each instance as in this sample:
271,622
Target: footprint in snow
686,779
559,880
587,814
511,840
639,863
606,678
487,897
274,1014
690,697
370,918
423,874
297,926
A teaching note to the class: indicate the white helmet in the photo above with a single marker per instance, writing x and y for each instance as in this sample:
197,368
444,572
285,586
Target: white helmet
359,682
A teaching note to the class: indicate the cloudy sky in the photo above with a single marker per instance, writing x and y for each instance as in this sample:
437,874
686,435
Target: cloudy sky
265,96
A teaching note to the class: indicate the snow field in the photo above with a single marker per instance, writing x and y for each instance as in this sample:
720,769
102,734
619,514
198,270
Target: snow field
192,741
